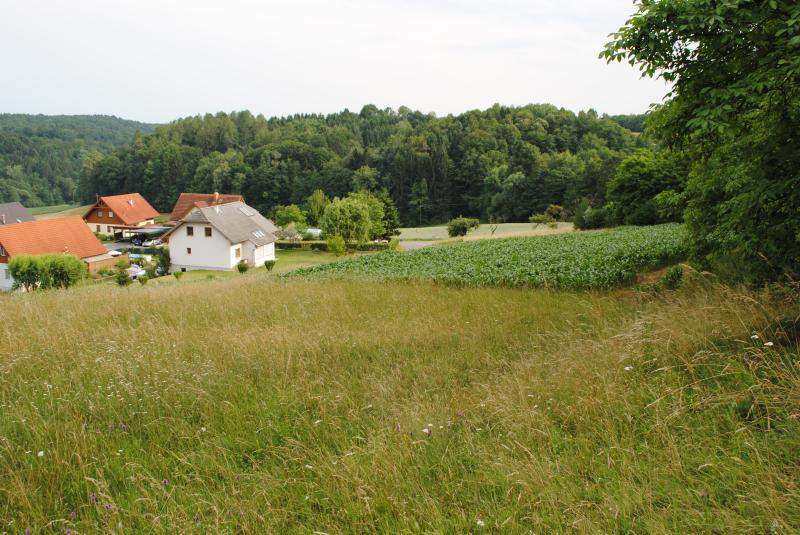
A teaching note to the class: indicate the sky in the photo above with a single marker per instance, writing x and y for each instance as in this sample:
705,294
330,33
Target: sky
158,60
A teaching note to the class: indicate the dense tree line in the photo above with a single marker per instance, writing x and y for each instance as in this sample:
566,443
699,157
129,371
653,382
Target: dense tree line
42,157
503,163
734,114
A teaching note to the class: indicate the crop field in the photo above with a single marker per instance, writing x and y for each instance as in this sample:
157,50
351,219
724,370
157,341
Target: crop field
585,260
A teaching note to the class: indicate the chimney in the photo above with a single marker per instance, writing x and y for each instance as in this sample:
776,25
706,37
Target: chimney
2,219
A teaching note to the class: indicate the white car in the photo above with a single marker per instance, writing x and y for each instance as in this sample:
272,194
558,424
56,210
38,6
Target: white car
151,243
134,272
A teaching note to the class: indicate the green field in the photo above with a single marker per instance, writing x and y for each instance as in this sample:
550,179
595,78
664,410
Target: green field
575,260
439,232
59,210
42,210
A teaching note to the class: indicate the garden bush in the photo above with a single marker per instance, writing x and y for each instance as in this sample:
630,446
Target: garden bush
461,225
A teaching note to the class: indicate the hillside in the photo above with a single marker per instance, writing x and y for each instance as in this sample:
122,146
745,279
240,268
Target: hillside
43,156
504,162
251,406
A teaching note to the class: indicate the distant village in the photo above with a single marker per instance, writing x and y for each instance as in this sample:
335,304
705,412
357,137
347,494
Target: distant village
208,231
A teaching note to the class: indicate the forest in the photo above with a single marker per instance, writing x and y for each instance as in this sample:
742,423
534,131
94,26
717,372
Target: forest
42,157
504,163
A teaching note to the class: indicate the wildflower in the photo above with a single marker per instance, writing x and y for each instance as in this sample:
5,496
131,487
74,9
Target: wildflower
27,531
73,514
480,523
309,467
754,337
107,506
40,454
628,368
123,427
426,430
92,498
203,429
165,481
768,344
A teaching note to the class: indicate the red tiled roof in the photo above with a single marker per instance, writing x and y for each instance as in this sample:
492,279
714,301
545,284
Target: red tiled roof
51,236
131,208
187,201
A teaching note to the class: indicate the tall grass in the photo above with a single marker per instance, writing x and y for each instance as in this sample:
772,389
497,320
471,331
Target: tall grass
249,405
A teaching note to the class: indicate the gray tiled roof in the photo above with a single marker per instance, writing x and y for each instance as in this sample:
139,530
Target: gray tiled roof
14,212
236,221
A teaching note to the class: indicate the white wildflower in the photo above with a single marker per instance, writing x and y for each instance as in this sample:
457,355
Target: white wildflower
628,368
308,466
426,430
754,337
480,523
203,429
40,454
768,344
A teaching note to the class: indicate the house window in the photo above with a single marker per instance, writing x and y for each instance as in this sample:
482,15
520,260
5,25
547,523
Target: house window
111,215
208,232
183,269
238,252
8,274
190,231
98,228
3,251
188,250
99,213
108,229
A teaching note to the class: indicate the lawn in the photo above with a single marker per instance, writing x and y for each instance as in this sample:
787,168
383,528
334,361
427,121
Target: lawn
439,232
575,260
287,260
260,405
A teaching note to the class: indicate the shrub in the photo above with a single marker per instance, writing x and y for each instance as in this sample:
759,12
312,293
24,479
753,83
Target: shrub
556,212
269,264
596,218
178,274
541,219
242,266
394,245
672,278
336,245
46,271
461,225
121,276
143,279
580,212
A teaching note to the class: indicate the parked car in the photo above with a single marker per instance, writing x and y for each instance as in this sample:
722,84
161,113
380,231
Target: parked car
138,240
152,243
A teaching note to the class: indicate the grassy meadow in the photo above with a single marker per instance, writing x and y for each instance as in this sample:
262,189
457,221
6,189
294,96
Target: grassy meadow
255,404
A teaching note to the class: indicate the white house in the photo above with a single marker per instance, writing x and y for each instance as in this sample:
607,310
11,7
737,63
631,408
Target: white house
219,237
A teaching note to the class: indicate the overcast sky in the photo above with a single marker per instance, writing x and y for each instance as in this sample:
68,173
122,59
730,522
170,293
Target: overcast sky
157,60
